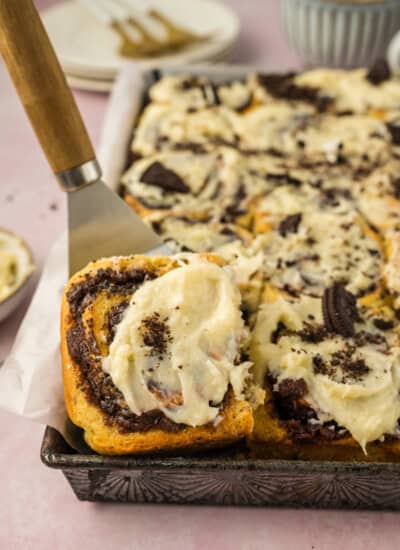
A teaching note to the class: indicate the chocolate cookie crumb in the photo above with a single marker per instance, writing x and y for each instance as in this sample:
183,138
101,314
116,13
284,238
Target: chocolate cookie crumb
281,330
290,224
396,188
312,333
284,87
394,129
354,371
156,334
379,72
160,176
383,324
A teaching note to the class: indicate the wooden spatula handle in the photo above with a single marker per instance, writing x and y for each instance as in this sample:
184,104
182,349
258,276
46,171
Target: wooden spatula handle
42,87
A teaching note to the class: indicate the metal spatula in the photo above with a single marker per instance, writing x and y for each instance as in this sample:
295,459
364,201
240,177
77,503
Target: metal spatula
100,223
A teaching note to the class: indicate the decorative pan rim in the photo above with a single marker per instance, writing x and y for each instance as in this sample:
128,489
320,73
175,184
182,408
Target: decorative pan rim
53,457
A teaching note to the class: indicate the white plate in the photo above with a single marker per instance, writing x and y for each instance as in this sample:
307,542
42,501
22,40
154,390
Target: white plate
89,49
105,85
89,84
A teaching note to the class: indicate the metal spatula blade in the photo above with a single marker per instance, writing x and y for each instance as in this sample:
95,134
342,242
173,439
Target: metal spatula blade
101,224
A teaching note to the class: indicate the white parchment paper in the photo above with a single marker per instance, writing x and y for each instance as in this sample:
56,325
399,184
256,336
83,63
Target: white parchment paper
30,378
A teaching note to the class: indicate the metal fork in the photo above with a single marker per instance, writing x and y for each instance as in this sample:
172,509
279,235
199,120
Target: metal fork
136,38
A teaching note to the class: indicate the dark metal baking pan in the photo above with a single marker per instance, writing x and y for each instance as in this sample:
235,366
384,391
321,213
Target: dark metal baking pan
224,479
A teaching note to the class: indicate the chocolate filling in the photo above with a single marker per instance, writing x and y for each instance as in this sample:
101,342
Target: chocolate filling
394,130
84,351
297,416
113,318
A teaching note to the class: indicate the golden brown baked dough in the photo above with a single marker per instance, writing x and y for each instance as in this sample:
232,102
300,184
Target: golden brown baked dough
85,324
271,439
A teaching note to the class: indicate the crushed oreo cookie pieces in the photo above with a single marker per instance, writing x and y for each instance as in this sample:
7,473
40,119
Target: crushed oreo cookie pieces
396,188
394,130
312,333
332,196
210,94
160,176
354,371
322,367
280,330
292,388
363,338
380,72
192,146
284,87
341,364
156,334
284,179
339,308
383,324
290,224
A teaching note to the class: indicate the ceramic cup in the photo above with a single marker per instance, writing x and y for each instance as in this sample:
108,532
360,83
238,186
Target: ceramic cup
341,33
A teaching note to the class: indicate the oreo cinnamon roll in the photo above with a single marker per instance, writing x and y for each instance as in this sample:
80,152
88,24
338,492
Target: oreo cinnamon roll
170,127
201,186
330,369
147,366
312,237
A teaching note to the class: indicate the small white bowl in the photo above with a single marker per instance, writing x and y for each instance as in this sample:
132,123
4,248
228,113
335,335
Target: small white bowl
25,269
340,33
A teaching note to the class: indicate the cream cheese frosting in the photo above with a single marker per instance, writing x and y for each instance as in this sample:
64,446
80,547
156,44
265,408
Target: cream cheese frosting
293,179
177,348
365,403
329,242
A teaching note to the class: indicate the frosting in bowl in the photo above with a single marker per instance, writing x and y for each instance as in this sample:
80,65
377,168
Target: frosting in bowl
15,264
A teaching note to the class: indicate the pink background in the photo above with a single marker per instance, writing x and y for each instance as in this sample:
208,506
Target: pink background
37,508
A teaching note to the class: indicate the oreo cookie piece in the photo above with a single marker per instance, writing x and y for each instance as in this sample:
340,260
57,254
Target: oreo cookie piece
290,224
160,176
339,309
383,324
396,188
379,72
394,129
284,87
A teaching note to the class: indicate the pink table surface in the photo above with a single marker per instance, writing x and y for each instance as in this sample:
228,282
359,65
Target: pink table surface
37,508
